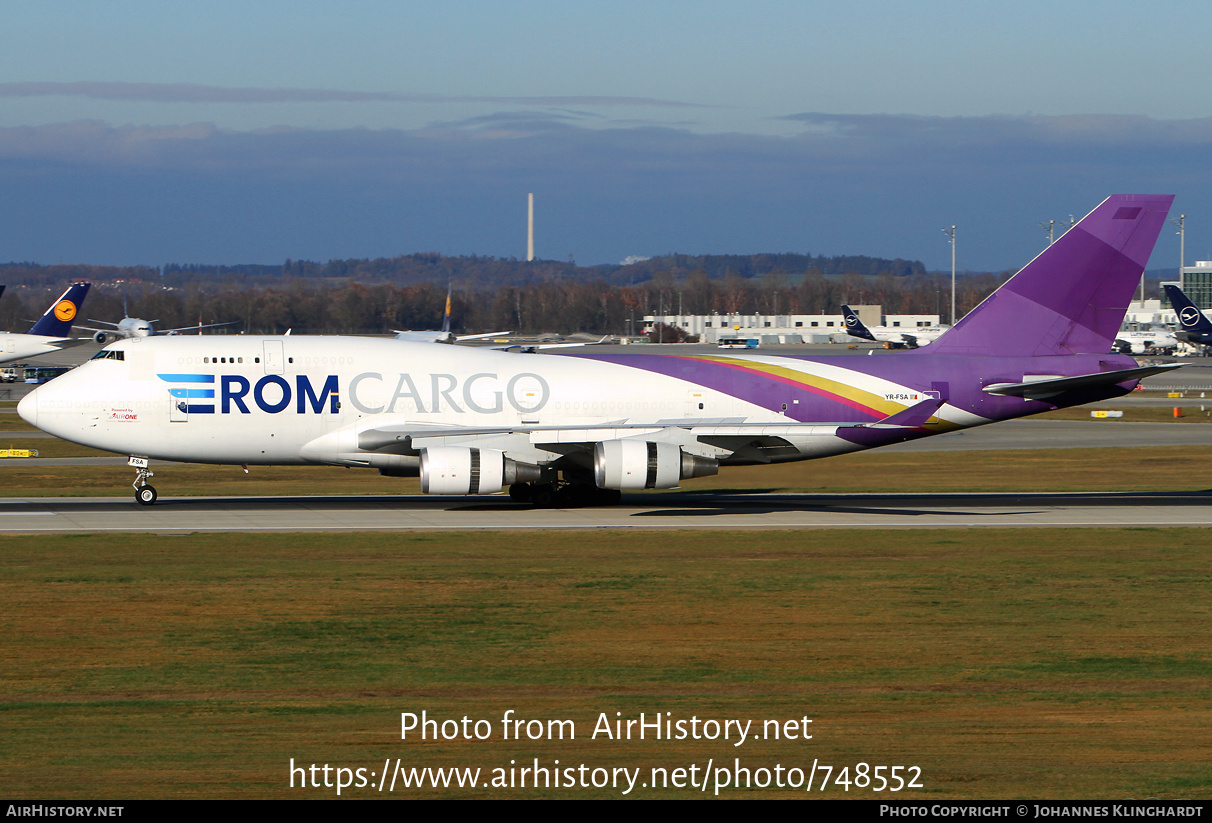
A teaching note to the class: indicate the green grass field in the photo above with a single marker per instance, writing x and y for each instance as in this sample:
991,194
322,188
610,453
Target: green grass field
1075,664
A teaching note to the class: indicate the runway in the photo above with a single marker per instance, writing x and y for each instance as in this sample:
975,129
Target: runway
663,510
668,510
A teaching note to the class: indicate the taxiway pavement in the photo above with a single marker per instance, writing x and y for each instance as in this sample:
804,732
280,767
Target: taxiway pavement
667,510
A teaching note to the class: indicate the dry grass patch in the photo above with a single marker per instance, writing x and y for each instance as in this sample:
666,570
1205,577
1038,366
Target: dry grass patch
1075,665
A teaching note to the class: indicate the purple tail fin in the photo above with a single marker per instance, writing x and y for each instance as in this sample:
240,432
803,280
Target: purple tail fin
1071,299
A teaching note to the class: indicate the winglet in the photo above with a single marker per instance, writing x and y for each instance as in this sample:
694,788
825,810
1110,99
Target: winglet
57,322
1072,297
912,417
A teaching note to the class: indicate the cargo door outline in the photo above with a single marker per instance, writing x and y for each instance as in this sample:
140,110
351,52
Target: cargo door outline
274,359
178,406
940,392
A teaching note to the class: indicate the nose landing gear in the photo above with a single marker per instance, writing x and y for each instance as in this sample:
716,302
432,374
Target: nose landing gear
145,494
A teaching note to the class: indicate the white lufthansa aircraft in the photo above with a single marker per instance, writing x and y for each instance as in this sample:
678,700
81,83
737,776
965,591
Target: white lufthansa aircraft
131,327
134,327
445,335
911,337
1152,340
52,331
584,426
448,337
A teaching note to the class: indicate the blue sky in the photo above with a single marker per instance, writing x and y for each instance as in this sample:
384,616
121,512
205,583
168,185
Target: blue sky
153,132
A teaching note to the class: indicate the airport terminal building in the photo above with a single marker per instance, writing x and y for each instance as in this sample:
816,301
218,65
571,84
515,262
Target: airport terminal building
1196,282
784,328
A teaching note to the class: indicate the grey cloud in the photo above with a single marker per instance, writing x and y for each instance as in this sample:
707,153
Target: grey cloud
879,184
193,93
512,123
829,144
1087,129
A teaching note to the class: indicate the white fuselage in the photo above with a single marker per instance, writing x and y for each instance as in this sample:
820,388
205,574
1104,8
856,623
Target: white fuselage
908,336
301,399
1143,342
20,346
131,327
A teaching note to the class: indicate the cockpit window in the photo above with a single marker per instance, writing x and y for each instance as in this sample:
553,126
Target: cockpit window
109,354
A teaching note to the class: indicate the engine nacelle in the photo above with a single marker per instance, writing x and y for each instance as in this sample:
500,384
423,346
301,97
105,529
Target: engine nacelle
101,337
462,470
639,464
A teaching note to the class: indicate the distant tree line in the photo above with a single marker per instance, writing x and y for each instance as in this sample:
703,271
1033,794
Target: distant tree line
489,294
474,273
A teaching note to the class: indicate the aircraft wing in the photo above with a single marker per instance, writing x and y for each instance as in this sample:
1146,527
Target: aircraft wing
110,333
460,338
191,328
531,348
713,430
424,336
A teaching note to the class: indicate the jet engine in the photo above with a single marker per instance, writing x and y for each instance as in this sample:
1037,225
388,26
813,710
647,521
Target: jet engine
639,464
102,338
462,470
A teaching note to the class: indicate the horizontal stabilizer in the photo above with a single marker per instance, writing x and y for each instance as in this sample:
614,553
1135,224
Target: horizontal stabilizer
1040,389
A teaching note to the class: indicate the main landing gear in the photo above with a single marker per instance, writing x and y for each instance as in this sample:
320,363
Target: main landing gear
563,495
145,494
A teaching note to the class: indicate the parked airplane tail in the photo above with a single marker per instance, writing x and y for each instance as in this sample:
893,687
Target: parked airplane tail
57,322
854,326
1071,299
1196,328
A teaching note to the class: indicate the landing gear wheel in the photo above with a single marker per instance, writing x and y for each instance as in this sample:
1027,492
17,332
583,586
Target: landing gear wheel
520,492
608,497
580,494
145,495
543,496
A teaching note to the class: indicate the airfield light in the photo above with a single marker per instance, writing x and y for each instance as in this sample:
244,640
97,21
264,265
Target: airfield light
1182,251
951,239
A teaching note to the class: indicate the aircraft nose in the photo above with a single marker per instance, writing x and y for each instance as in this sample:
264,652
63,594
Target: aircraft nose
28,408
